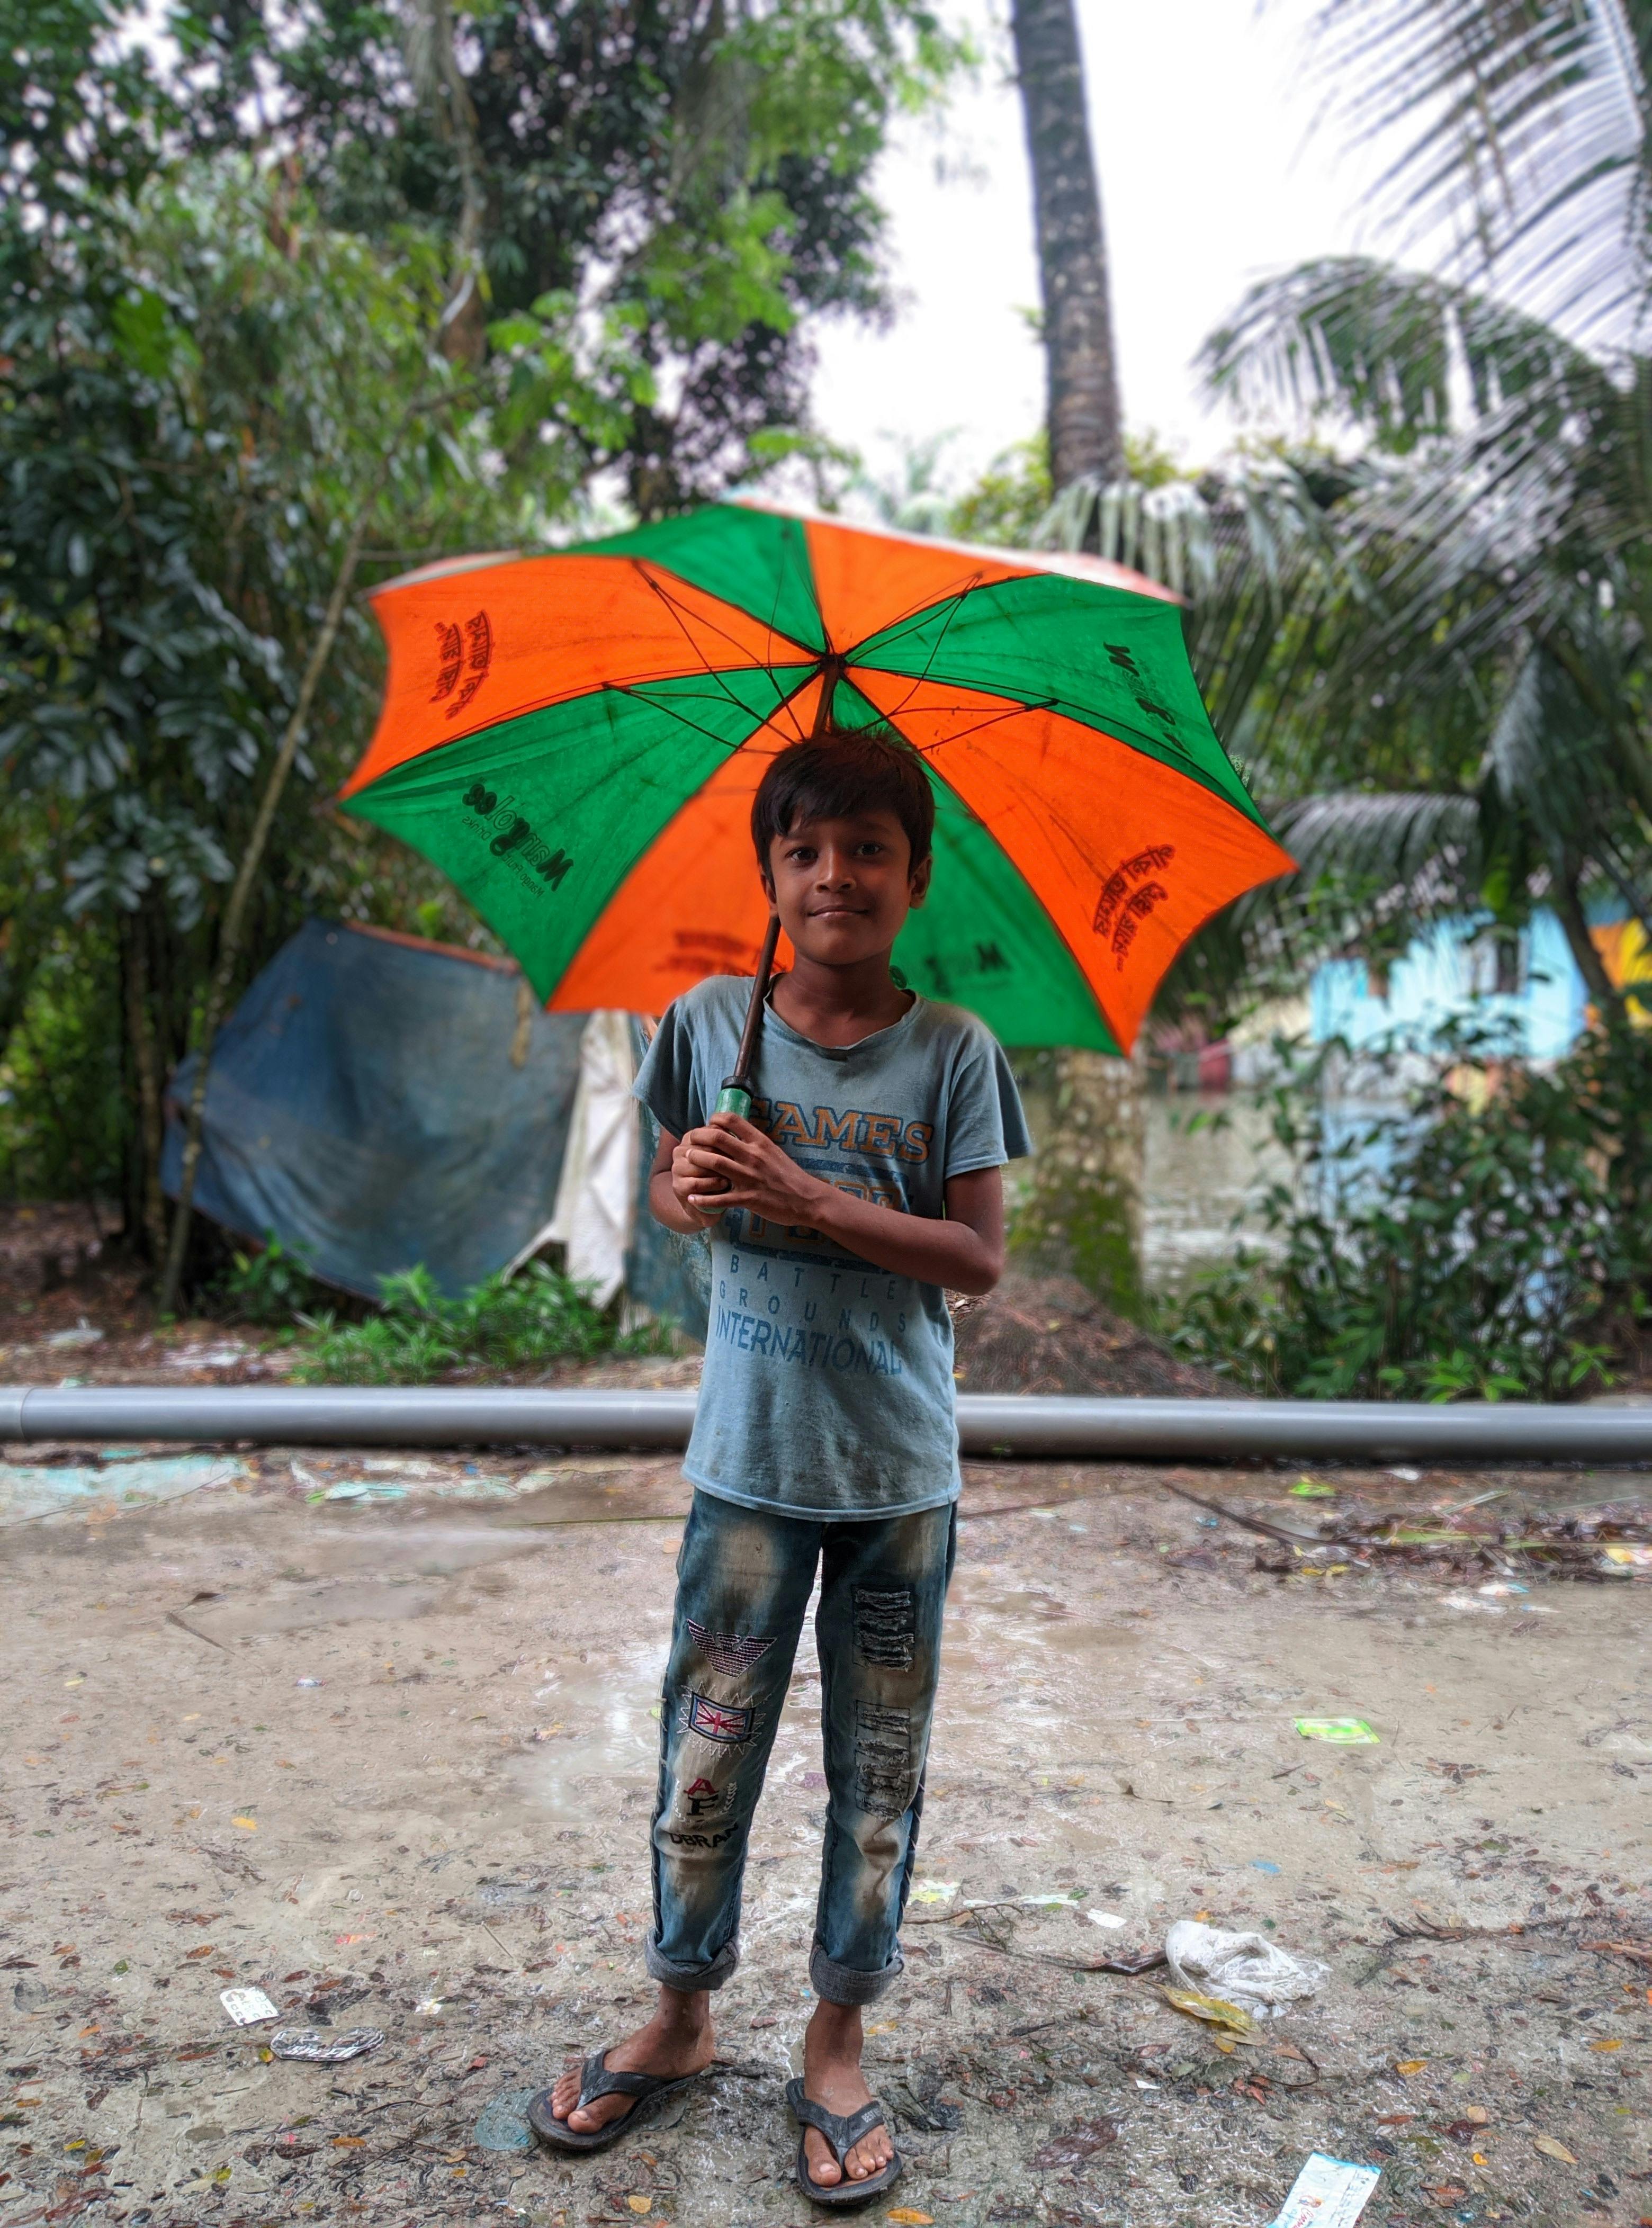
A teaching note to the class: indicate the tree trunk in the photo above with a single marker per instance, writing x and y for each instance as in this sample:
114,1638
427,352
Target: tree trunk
1568,905
146,1068
1085,427
1084,1212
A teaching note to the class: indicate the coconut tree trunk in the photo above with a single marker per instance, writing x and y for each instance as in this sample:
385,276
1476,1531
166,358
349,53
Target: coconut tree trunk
1084,1214
1085,427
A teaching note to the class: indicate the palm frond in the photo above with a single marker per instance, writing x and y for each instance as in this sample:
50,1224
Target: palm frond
1165,532
1400,354
1416,842
1521,135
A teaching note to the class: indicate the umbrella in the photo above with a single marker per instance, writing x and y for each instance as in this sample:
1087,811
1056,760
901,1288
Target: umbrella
575,739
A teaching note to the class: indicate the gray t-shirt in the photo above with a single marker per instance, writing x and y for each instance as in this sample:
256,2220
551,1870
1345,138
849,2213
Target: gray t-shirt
828,1384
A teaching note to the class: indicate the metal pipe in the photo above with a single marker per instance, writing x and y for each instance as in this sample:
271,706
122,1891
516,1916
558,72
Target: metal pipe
1212,1431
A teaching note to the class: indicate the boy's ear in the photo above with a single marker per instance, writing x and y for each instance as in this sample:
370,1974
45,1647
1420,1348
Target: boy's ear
920,874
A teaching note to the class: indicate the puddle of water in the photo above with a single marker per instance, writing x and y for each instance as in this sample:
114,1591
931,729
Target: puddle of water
596,1725
1019,1682
1017,1677
27,1492
429,1550
342,1604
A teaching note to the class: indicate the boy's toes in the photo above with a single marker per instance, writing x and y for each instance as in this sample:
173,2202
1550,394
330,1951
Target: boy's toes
822,2165
870,2156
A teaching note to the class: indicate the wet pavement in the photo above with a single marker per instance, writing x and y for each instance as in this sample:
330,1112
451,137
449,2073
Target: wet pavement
377,1735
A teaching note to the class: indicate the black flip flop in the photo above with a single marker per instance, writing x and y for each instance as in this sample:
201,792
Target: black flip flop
595,2080
842,2131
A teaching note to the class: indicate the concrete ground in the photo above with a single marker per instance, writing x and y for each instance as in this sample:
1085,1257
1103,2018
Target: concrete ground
391,1759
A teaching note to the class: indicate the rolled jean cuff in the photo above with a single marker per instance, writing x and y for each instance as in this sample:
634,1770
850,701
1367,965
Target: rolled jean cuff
843,1984
690,1977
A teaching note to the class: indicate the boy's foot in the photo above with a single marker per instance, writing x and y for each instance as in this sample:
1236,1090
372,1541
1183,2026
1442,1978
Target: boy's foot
831,2077
676,2042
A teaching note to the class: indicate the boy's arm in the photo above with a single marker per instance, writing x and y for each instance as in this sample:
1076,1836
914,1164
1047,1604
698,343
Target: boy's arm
965,1252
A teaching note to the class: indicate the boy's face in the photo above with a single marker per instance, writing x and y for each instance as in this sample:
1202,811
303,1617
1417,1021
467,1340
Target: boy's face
843,888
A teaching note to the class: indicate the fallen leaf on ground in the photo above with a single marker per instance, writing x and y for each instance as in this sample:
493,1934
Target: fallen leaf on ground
247,1825
639,2204
1607,2042
1618,1949
1550,2148
912,2219
1073,2145
1215,2009
1411,2066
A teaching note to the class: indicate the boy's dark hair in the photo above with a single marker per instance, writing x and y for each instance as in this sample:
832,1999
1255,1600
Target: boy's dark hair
840,773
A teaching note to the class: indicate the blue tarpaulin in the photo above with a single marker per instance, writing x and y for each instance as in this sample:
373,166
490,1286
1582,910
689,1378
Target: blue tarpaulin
382,1102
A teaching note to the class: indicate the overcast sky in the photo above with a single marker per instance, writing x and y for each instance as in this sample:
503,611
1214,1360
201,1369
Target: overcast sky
1210,176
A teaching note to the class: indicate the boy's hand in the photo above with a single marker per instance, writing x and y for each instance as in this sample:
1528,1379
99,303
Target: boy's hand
730,1162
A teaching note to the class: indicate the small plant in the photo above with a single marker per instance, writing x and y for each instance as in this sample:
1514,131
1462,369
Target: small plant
503,1323
1489,1238
272,1286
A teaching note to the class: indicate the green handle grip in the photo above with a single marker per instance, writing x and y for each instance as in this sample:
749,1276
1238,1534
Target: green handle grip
733,1098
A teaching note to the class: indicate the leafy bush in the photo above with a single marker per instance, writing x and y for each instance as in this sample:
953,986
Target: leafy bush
1488,1237
273,1286
502,1323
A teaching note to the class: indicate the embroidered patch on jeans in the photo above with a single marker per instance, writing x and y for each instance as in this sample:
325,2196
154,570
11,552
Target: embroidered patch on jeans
883,1772
703,1799
884,1626
717,1721
731,1652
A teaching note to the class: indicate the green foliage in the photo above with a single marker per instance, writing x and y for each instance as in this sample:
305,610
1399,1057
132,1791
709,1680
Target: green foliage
61,1131
1479,640
205,385
505,1322
1005,506
273,1285
695,179
1491,1238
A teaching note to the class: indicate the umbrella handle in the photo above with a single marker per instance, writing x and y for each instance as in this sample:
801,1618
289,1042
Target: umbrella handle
735,1095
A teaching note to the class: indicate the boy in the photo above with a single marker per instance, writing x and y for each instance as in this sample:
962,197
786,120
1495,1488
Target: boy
867,1183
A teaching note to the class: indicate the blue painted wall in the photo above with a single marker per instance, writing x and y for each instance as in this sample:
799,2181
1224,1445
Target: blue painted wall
1446,975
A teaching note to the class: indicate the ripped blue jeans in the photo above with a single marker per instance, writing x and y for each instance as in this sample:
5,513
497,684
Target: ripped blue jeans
743,1578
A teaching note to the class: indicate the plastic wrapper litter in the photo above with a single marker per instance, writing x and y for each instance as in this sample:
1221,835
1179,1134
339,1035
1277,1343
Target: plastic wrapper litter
1246,1969
309,2042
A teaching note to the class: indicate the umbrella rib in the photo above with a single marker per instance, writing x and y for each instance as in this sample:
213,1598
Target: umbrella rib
954,604
760,719
712,672
904,619
1009,711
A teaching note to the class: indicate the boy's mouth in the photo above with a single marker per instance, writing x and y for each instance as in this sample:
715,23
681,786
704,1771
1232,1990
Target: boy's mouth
838,912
